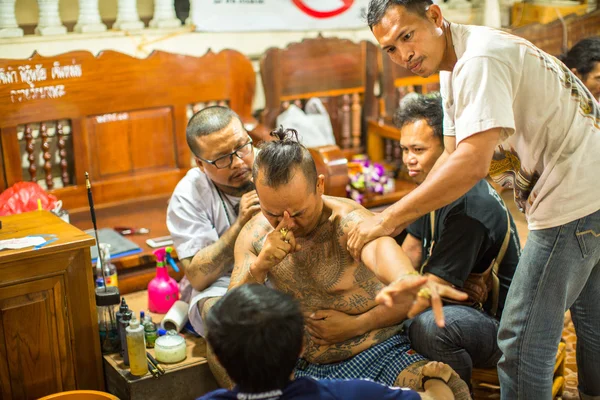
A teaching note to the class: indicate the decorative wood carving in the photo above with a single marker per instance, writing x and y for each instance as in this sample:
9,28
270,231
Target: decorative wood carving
346,121
118,97
62,152
29,148
46,155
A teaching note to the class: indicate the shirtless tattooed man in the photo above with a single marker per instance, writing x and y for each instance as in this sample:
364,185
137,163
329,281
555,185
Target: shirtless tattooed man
299,243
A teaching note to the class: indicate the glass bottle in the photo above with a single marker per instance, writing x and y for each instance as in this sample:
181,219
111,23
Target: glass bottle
150,331
107,300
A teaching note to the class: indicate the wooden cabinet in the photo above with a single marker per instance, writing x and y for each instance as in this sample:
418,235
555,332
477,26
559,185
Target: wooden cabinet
48,323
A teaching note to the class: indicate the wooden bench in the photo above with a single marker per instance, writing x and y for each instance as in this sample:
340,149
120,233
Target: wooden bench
123,120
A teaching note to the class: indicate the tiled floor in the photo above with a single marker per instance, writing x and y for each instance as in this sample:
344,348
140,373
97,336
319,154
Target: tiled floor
568,332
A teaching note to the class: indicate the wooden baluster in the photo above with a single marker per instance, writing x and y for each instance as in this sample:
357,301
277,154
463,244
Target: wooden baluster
197,107
346,132
389,151
382,111
30,156
356,114
62,152
46,155
397,154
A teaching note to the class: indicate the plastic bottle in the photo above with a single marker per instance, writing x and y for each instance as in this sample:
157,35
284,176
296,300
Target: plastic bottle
163,290
136,348
150,332
110,271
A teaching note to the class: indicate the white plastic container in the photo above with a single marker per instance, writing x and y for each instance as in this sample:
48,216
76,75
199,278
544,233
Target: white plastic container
170,349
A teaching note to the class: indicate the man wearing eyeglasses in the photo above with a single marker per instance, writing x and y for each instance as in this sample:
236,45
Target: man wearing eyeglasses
210,205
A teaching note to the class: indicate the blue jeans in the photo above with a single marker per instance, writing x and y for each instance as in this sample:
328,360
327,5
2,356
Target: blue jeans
467,341
559,269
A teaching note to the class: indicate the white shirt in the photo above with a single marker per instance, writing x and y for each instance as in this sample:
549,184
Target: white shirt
197,217
550,146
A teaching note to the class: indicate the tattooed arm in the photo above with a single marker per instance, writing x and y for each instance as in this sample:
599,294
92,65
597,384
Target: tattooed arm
211,262
383,256
244,256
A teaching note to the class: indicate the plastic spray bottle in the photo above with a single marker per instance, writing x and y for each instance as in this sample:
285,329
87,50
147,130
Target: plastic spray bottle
110,271
136,348
163,290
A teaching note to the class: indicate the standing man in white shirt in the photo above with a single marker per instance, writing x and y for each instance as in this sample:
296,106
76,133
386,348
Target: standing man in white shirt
211,204
510,104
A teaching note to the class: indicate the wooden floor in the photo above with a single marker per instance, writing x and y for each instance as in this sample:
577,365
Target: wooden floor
568,332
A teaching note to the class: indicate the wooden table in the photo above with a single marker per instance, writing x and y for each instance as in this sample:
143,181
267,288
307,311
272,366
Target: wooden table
49,339
188,379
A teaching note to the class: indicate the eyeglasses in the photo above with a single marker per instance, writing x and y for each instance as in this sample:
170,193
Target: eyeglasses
226,160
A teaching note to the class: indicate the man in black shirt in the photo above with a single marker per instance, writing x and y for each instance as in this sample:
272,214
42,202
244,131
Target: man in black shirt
468,236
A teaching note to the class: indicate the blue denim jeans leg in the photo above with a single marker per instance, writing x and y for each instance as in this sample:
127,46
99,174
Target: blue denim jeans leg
468,340
559,269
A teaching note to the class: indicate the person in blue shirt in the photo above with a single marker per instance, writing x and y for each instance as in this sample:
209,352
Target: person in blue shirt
257,335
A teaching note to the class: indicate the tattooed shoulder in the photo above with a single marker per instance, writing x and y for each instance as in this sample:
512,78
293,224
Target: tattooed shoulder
351,219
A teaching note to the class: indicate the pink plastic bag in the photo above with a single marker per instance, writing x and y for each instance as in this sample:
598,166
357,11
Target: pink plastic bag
23,196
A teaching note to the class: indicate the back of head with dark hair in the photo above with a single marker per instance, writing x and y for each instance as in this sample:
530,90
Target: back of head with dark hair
377,8
206,121
279,159
256,333
583,56
427,107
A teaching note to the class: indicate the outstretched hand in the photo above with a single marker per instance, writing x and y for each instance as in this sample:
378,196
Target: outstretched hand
422,293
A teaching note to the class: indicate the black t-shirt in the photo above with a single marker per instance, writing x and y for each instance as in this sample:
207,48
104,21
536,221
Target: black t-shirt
468,235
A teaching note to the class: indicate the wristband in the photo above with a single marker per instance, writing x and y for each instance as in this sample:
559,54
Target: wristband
427,378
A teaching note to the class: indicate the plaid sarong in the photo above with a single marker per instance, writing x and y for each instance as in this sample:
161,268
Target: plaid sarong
381,363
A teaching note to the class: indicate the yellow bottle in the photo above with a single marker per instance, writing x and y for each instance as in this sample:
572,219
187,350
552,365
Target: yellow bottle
136,348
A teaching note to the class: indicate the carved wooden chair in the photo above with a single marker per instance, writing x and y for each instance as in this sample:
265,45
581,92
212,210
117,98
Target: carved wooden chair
338,71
